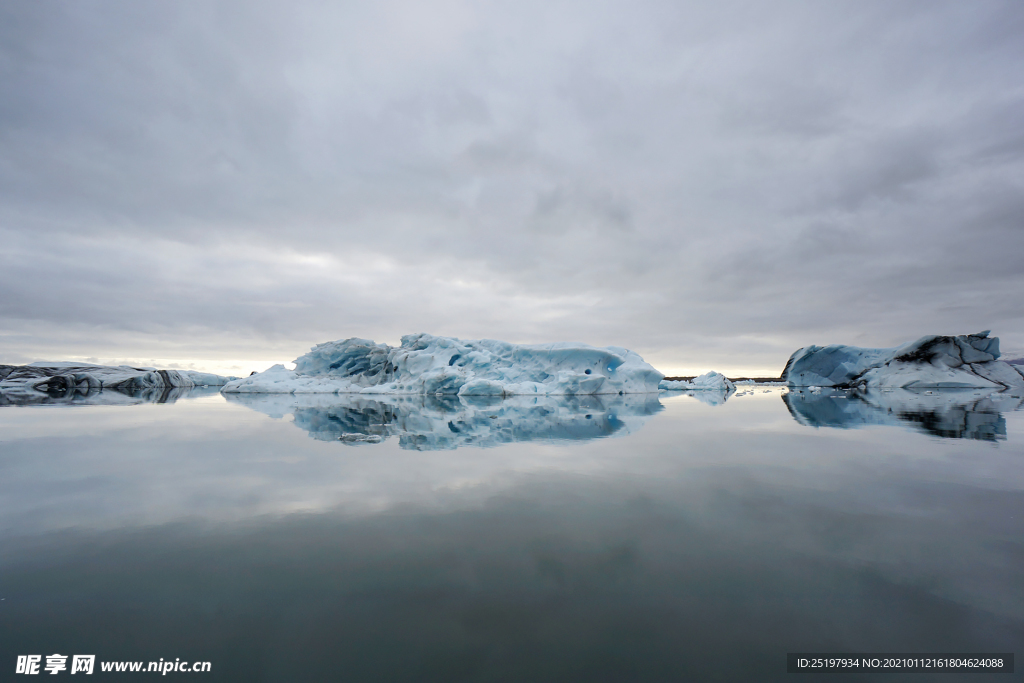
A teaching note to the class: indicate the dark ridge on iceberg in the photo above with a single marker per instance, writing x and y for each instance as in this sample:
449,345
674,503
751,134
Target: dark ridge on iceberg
968,348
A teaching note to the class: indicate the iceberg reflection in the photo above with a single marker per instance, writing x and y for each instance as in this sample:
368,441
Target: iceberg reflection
950,413
101,397
711,397
427,423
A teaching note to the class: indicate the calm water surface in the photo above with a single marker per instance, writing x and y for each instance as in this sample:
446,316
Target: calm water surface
603,539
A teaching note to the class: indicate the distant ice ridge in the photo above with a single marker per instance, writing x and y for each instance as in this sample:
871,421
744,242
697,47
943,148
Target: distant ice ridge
709,381
425,364
61,377
935,361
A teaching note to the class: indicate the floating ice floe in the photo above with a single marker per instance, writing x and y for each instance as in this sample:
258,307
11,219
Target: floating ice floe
425,364
709,381
935,361
23,383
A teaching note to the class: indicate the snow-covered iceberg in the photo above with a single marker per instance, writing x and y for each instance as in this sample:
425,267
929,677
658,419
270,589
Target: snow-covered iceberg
935,361
22,383
425,364
709,381
432,422
712,388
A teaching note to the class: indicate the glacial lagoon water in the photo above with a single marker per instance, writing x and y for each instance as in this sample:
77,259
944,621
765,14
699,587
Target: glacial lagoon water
642,538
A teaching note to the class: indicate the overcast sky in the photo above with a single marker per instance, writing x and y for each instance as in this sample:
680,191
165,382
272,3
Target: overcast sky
710,184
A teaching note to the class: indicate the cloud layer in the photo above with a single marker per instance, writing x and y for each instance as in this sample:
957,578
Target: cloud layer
712,185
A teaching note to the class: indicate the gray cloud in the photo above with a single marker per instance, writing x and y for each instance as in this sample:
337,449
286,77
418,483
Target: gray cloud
713,185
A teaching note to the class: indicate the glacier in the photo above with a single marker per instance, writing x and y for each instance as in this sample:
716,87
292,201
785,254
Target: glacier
967,361
425,364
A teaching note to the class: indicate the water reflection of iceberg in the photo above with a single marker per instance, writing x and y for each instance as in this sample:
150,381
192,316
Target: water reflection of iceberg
712,397
445,422
101,397
951,413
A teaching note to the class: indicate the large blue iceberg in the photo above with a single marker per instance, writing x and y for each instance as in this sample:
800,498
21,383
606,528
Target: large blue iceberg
429,365
934,362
